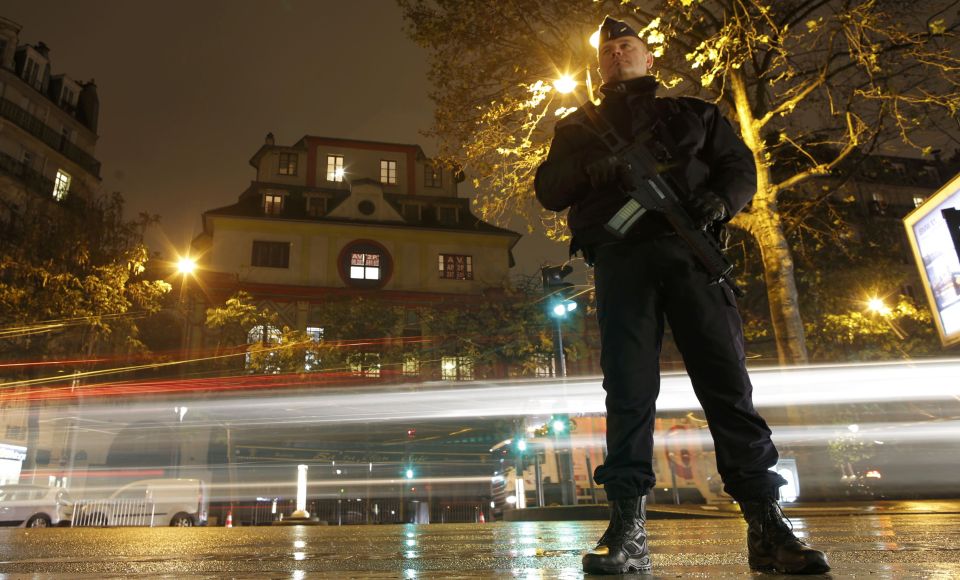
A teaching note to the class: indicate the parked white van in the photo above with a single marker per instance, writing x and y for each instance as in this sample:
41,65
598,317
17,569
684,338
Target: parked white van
149,502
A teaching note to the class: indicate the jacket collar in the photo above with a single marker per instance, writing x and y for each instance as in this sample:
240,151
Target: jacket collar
645,85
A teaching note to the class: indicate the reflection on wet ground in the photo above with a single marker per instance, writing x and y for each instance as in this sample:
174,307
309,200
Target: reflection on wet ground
895,546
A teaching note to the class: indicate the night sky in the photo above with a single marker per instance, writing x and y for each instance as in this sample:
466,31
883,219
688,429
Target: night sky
189,89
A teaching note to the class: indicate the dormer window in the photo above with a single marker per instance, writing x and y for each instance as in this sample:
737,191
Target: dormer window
411,211
288,164
316,206
272,203
448,216
432,176
31,73
335,168
388,171
69,98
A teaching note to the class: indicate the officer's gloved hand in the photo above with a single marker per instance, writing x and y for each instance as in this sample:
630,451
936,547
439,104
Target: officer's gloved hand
705,208
606,170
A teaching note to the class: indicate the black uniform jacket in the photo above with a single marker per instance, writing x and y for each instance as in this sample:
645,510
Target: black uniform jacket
705,155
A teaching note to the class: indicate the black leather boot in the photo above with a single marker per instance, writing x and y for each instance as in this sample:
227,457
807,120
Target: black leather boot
771,544
623,547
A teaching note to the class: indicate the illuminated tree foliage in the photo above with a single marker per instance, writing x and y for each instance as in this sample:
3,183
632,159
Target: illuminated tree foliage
808,82
505,333
72,282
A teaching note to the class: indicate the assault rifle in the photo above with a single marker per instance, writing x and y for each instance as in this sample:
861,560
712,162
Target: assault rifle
653,190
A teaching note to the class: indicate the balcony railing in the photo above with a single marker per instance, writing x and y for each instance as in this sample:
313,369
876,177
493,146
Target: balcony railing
31,179
56,140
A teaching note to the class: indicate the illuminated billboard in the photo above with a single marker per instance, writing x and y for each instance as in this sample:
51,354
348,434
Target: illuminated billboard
934,232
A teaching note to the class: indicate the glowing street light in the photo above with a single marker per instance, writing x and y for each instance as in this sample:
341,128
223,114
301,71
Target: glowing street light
186,266
565,84
878,305
561,309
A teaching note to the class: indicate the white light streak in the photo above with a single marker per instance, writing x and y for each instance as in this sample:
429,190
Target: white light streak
774,387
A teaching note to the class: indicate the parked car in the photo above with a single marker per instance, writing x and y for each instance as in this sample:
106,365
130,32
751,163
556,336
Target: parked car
149,502
34,506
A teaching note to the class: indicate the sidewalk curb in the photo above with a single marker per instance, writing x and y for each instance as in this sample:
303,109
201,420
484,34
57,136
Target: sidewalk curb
662,512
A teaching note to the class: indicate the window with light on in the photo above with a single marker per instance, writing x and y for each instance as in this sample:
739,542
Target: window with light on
364,266
272,203
335,168
411,366
61,187
388,171
455,267
365,364
456,368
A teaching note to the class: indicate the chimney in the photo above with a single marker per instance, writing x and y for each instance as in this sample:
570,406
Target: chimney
88,106
269,139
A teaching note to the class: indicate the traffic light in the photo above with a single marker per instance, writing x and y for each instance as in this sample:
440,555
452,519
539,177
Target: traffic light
553,278
559,291
560,425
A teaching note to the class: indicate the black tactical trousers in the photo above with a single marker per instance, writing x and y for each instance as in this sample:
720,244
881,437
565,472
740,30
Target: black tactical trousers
637,284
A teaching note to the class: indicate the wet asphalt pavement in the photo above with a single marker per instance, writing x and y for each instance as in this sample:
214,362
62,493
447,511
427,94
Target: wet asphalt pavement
886,546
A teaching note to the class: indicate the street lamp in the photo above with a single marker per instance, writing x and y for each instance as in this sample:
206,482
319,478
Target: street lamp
565,84
186,266
878,306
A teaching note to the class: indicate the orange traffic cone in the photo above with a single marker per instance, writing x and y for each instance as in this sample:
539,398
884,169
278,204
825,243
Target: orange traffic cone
229,523
482,520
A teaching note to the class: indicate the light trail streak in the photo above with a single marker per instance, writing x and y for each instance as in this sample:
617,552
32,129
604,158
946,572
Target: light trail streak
887,433
237,352
50,363
61,323
792,387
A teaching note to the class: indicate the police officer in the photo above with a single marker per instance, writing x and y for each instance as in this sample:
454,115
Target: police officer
651,275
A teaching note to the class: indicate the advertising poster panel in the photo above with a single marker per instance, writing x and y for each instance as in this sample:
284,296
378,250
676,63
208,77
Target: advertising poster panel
934,233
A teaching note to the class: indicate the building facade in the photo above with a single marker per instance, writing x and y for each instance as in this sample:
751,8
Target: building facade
48,128
48,135
339,218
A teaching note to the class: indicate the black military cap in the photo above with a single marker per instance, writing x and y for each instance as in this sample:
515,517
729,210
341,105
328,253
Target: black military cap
613,28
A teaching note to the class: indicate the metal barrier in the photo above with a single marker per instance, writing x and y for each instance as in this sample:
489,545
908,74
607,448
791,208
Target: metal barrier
113,512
